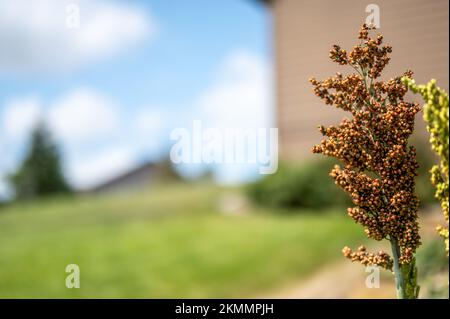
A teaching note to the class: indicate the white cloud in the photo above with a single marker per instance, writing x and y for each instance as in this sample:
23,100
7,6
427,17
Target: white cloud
4,189
150,130
241,98
20,115
34,35
150,121
242,95
83,115
7,161
90,171
83,120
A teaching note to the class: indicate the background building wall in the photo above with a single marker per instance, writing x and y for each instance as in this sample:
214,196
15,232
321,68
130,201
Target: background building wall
305,30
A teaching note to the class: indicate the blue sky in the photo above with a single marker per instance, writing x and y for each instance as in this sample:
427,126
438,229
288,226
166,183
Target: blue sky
114,86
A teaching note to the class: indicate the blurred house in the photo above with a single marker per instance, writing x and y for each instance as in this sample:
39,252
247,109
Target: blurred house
304,32
138,178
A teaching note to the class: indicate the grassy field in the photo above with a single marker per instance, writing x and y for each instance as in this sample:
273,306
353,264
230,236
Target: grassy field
167,242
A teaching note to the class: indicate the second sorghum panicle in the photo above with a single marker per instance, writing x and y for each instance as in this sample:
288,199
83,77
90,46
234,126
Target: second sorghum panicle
436,114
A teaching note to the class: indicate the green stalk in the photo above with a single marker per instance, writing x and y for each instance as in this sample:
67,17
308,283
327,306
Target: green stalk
405,275
399,279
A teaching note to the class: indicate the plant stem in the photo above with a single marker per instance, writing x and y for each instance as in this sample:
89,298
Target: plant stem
399,278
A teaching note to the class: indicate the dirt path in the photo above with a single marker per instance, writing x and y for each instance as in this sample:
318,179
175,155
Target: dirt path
344,279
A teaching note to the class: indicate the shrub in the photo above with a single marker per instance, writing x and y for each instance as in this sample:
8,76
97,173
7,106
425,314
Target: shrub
305,186
425,159
433,263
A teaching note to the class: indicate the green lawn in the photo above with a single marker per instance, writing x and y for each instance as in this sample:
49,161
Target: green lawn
166,242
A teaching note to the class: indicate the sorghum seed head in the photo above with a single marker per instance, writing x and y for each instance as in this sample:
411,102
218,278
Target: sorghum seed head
379,167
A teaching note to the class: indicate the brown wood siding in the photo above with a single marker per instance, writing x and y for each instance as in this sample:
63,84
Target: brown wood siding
304,32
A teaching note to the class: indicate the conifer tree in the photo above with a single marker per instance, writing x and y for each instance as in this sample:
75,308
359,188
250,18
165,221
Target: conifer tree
40,173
